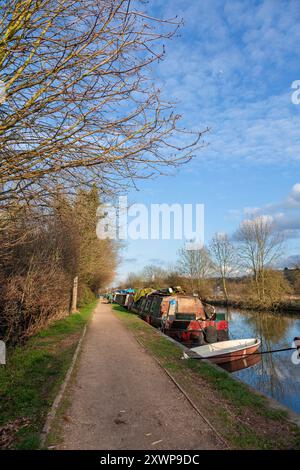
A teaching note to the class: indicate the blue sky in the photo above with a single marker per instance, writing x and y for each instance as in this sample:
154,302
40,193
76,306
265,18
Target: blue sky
231,69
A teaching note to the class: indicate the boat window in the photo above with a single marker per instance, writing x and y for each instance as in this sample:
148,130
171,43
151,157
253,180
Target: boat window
155,306
148,304
142,304
185,316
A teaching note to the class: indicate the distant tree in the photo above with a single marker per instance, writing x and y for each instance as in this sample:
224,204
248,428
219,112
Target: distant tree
260,246
154,276
174,278
296,284
224,258
196,265
276,287
292,275
134,280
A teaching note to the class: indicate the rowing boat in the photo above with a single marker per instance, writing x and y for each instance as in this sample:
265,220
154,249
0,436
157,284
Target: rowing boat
225,351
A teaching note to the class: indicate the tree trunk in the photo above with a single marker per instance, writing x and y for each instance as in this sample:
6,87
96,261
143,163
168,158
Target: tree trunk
225,288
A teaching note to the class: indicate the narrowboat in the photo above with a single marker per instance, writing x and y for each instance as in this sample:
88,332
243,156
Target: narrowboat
124,297
185,318
120,298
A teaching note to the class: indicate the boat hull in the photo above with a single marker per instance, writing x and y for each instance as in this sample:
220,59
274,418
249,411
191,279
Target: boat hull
235,355
228,351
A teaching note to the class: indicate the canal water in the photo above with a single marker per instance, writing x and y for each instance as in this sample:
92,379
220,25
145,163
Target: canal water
275,374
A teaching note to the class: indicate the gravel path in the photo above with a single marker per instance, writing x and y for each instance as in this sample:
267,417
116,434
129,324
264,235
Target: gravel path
122,399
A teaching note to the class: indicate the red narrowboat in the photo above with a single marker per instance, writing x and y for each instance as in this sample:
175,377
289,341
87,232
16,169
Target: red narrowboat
183,317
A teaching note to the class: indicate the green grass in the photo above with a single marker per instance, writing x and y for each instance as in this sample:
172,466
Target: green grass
234,390
33,374
244,418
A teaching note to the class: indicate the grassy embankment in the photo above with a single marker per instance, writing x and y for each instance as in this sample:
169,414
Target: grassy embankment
245,419
31,379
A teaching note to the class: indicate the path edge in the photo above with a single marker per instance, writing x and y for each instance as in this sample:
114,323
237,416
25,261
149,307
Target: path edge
55,405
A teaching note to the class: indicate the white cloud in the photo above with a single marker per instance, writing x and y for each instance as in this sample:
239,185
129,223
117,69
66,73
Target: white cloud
285,213
251,211
233,215
294,197
247,105
292,201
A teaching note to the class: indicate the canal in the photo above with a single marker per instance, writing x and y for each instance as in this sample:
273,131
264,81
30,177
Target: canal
275,374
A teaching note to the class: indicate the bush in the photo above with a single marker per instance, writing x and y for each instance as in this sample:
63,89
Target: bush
270,290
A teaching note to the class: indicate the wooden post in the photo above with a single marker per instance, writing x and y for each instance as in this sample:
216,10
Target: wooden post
74,295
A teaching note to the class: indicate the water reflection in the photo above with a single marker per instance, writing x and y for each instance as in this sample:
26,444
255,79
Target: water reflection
275,374
241,364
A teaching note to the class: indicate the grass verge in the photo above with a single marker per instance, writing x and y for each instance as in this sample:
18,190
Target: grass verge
31,379
245,419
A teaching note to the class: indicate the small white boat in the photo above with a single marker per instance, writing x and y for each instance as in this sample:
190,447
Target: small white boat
225,351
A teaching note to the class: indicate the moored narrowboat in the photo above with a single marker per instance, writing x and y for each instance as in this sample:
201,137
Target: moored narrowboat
124,297
183,317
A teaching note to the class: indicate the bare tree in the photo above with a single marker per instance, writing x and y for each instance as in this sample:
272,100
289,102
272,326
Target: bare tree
224,258
80,102
154,276
260,246
173,277
134,280
196,265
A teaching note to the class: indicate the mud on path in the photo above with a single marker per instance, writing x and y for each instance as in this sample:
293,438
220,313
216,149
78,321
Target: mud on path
122,399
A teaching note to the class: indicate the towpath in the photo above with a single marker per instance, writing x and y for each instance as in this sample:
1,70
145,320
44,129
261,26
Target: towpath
122,399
